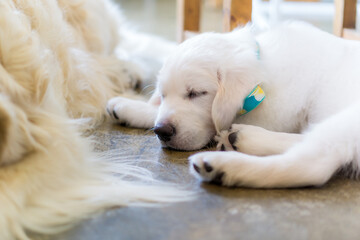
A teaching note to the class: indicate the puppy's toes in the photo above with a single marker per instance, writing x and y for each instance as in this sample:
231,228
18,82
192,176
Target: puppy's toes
223,142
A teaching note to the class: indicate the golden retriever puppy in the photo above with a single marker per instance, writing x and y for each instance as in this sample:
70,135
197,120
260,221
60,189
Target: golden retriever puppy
304,130
58,66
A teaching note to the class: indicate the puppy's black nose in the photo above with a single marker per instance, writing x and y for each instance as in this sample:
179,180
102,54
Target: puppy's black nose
164,131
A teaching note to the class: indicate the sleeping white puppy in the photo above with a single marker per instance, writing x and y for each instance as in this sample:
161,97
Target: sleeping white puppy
305,129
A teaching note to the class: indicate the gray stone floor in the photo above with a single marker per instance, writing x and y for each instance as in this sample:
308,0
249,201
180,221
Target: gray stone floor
329,212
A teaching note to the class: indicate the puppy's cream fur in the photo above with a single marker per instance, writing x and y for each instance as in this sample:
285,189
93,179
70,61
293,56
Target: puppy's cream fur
58,66
305,130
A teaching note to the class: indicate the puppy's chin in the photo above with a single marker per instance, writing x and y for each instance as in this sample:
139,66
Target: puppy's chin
193,147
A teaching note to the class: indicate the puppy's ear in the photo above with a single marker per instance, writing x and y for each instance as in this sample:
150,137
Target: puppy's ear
233,87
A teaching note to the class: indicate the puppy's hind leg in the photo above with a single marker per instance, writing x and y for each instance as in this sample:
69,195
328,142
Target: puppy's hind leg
331,145
134,113
255,140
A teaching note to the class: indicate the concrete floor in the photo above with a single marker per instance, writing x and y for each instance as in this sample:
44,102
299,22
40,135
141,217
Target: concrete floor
330,212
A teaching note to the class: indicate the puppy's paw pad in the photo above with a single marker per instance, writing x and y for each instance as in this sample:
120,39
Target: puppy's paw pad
218,179
208,168
232,139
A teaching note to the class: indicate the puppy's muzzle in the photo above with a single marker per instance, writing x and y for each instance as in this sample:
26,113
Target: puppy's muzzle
164,131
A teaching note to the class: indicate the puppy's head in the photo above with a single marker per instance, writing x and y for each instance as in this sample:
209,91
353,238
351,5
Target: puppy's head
203,85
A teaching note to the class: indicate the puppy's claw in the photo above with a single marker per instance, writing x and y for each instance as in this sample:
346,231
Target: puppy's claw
114,114
196,168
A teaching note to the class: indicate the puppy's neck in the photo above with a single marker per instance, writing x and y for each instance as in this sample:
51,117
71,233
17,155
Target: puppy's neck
257,52
256,96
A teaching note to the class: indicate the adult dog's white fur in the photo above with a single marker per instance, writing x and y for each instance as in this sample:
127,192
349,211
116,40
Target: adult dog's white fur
58,66
306,129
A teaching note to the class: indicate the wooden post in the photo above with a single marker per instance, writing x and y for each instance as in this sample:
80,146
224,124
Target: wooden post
236,12
188,18
215,3
345,16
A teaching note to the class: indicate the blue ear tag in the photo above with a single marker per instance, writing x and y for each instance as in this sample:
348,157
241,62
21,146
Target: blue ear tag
256,96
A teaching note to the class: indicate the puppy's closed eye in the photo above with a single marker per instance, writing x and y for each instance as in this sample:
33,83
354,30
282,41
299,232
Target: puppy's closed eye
194,94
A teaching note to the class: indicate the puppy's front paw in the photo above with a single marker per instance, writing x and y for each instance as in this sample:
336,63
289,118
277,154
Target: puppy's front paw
118,110
133,113
226,140
208,166
247,139
227,168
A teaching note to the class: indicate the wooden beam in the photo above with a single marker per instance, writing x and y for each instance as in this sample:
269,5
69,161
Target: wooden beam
236,12
188,17
351,34
345,16
190,34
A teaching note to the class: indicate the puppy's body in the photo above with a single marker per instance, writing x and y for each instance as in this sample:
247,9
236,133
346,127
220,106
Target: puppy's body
309,75
305,129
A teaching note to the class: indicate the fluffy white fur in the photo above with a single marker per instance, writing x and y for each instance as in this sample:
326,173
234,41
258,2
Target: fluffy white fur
305,130
58,66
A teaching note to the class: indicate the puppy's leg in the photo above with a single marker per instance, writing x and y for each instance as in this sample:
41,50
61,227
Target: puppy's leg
134,113
332,144
255,140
